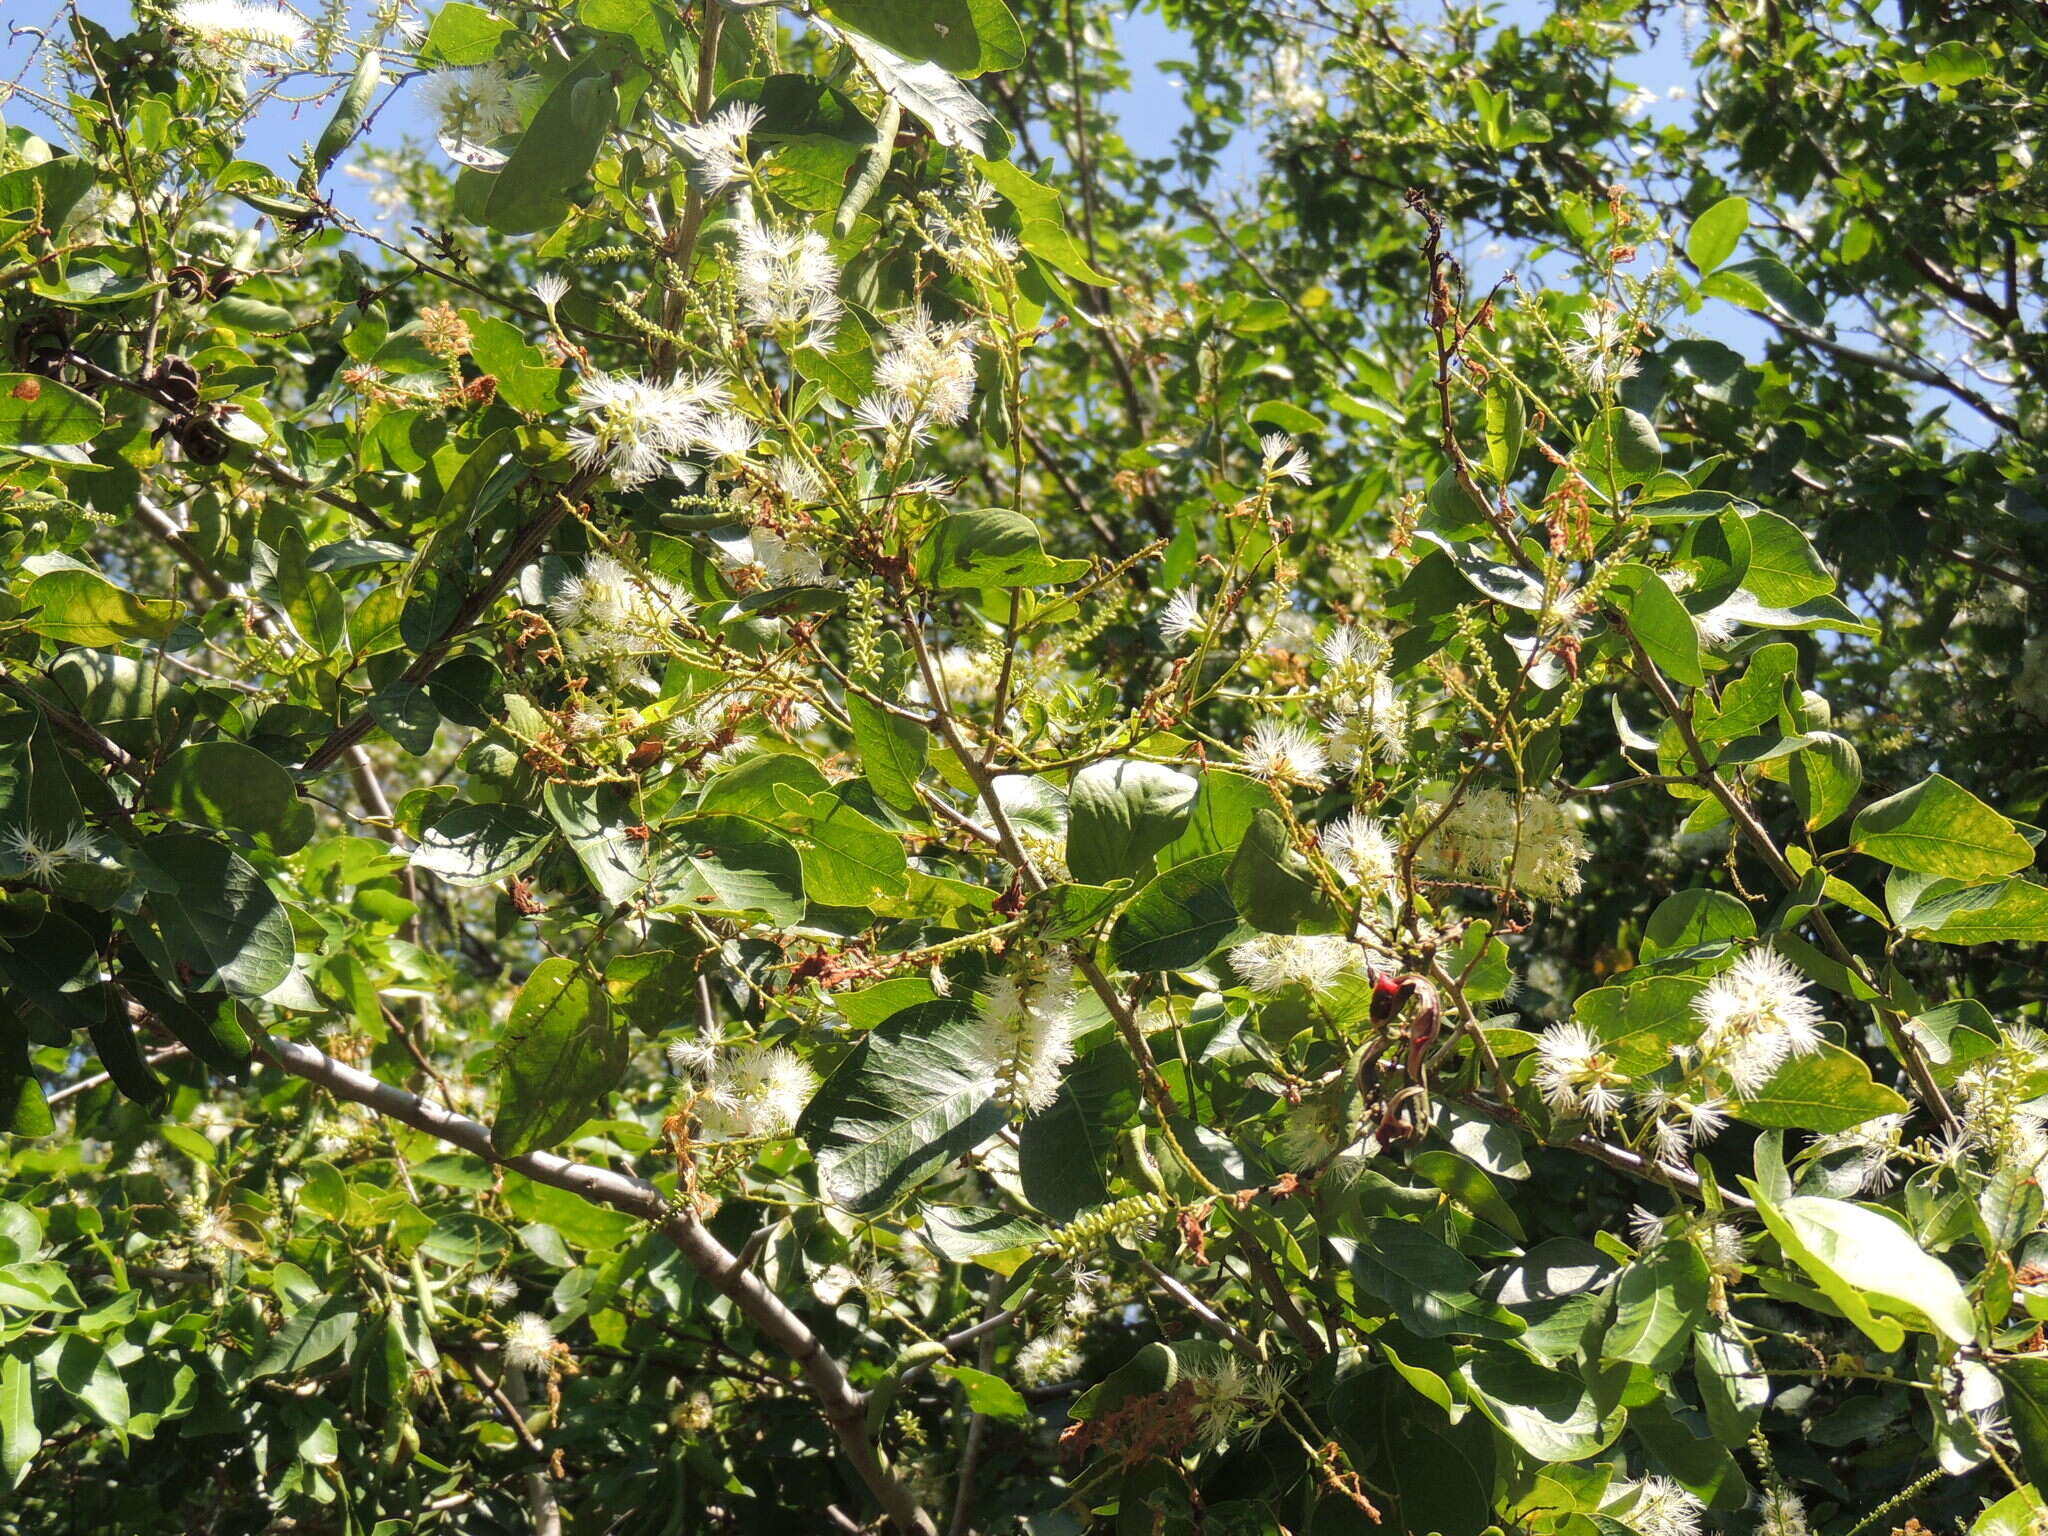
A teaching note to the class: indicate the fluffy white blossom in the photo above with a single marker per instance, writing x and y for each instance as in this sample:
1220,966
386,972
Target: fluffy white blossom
1576,1075
2001,1115
1182,616
1755,1016
237,32
1680,1118
719,145
1662,1506
1360,850
1782,1513
1600,354
493,1290
1489,835
606,610
1052,1356
43,855
550,288
1874,1144
1024,1034
1274,961
473,109
755,1091
1364,715
789,281
634,428
924,377
1219,1389
1284,754
530,1343
1282,459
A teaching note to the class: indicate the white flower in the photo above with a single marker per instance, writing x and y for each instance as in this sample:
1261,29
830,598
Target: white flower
1600,356
1182,616
211,1121
696,1053
1305,1137
1783,1513
1575,1075
788,280
474,109
797,480
1755,1016
530,1343
550,288
1053,1356
1360,850
719,145
1282,460
1634,105
493,1290
756,1091
925,376
1681,1118
223,32
785,563
1284,754
1024,1036
1724,1247
608,611
634,428
43,857
1664,1507
1274,961
1219,1391
1491,835
728,435
1367,718
1875,1142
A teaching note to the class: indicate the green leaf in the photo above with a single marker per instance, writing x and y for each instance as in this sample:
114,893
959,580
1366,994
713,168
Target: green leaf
1869,1267
1547,1413
847,859
1754,699
1765,283
34,409
1042,223
1658,1301
1715,233
1506,426
1620,450
233,788
1939,828
24,1111
1784,570
558,1060
81,1367
2009,911
911,1097
1428,1284
1661,624
553,155
465,1238
20,1439
986,1394
1468,1184
892,753
1177,919
527,380
463,35
2019,1513
2025,1379
84,608
1826,1091
594,818
1065,1152
1121,813
1946,64
1696,919
1639,1023
1733,1387
966,37
956,116
729,864
223,922
349,113
473,845
1824,778
1273,885
307,1338
992,548
1224,807
1440,1474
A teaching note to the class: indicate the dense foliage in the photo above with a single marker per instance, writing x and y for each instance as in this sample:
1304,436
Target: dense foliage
816,803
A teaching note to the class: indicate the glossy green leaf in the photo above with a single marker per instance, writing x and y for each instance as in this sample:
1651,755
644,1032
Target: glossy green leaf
1714,234
1939,828
34,409
233,788
1177,919
558,1060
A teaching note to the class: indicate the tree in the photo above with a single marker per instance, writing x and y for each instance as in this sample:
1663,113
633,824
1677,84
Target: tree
833,805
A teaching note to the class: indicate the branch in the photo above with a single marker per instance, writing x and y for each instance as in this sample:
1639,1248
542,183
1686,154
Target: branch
844,1407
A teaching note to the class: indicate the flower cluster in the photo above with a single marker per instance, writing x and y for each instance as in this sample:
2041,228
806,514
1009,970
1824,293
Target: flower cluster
746,1092
926,378
43,856
1024,1034
1600,354
1754,1017
607,612
1285,755
1365,717
2001,1113
1533,844
789,282
719,146
635,429
238,33
1272,962
473,109
1359,849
